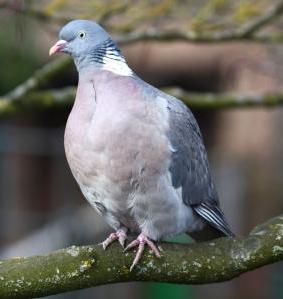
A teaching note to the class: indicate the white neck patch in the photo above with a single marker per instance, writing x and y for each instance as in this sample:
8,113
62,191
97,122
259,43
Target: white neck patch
114,62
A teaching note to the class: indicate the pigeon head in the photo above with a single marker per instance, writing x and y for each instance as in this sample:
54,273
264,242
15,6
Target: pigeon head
90,45
79,38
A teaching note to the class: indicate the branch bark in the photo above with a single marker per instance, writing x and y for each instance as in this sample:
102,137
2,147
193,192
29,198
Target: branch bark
87,266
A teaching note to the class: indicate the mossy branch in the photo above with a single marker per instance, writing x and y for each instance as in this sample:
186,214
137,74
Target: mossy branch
87,266
45,15
31,95
40,78
252,27
245,32
20,103
193,37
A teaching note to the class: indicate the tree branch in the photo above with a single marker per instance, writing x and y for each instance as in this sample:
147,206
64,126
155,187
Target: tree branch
226,100
193,37
40,78
19,102
23,8
81,267
46,16
252,27
245,32
52,69
44,75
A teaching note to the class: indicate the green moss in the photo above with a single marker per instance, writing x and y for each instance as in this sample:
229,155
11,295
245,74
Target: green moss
246,11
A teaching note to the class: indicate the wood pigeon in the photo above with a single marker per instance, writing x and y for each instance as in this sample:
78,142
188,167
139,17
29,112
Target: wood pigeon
136,152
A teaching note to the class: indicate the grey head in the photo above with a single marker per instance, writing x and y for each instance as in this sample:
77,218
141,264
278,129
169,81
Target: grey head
88,44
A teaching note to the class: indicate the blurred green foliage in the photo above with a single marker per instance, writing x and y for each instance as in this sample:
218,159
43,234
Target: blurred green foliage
18,45
168,291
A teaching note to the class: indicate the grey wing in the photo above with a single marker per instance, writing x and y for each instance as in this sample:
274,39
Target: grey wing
189,166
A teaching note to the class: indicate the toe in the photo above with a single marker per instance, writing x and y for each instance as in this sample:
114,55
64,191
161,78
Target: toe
109,240
122,238
138,256
154,248
132,245
122,241
141,241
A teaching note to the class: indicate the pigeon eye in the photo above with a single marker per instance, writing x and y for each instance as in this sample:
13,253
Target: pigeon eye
81,34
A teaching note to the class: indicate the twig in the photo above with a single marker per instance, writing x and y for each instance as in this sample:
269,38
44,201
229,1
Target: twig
34,13
81,267
40,78
252,27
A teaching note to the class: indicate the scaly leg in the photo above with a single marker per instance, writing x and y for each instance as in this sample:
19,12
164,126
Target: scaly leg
140,242
119,235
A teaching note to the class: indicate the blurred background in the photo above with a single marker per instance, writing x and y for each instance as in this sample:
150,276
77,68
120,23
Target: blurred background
238,51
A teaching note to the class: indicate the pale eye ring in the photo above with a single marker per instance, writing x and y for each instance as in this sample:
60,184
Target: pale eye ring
81,34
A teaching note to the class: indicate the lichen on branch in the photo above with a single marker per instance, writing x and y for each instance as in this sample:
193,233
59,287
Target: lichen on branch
87,266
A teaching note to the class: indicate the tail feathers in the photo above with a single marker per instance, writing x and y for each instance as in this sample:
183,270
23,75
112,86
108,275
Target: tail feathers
213,215
206,234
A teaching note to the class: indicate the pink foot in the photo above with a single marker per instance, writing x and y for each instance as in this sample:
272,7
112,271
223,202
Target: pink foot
140,242
119,235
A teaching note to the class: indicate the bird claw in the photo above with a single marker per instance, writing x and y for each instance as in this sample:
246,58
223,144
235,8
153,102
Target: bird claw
119,235
141,241
122,239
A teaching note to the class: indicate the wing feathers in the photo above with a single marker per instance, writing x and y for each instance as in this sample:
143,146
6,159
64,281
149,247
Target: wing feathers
214,216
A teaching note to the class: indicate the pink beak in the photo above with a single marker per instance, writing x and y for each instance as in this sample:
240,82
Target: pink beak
57,47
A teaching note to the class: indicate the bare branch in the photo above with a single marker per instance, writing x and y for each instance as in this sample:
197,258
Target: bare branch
81,267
